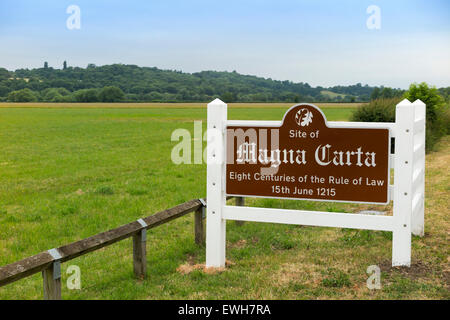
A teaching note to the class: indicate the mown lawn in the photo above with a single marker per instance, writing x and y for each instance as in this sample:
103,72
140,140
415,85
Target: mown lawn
69,173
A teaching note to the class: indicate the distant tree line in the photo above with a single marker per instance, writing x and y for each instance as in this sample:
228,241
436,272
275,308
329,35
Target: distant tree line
130,83
385,93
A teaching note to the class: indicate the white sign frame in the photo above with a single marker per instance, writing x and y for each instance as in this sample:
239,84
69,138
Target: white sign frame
408,193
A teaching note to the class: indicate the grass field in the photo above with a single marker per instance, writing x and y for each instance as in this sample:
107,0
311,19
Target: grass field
67,173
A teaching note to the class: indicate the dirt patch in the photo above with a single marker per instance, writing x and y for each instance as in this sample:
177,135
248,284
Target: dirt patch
387,209
297,272
189,267
238,244
417,270
242,243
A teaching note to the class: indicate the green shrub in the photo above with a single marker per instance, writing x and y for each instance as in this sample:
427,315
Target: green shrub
379,110
428,95
438,118
436,111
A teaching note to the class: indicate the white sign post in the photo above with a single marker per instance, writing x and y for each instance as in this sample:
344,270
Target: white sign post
407,192
409,179
215,191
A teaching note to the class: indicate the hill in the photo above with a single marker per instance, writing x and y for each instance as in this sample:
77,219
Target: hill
150,84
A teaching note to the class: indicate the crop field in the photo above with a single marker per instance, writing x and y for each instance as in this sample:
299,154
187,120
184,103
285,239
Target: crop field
68,172
168,105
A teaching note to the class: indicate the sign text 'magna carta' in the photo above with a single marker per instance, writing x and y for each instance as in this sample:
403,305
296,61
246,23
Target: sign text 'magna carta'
306,158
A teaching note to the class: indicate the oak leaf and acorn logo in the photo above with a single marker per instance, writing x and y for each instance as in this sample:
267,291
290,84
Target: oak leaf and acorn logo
303,117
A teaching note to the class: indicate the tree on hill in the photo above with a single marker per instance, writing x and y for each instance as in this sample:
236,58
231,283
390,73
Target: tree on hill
228,97
56,95
111,94
4,74
375,94
87,95
385,93
4,90
23,95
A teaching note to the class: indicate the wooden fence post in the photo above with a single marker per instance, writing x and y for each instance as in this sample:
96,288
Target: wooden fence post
199,226
140,252
52,281
240,202
199,233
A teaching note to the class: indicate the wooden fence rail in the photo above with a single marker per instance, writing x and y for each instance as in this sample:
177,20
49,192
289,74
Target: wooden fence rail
49,262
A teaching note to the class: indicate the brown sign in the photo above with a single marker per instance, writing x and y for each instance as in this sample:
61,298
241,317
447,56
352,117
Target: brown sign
306,159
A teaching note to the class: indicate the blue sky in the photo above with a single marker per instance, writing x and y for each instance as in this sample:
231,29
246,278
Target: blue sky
320,42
